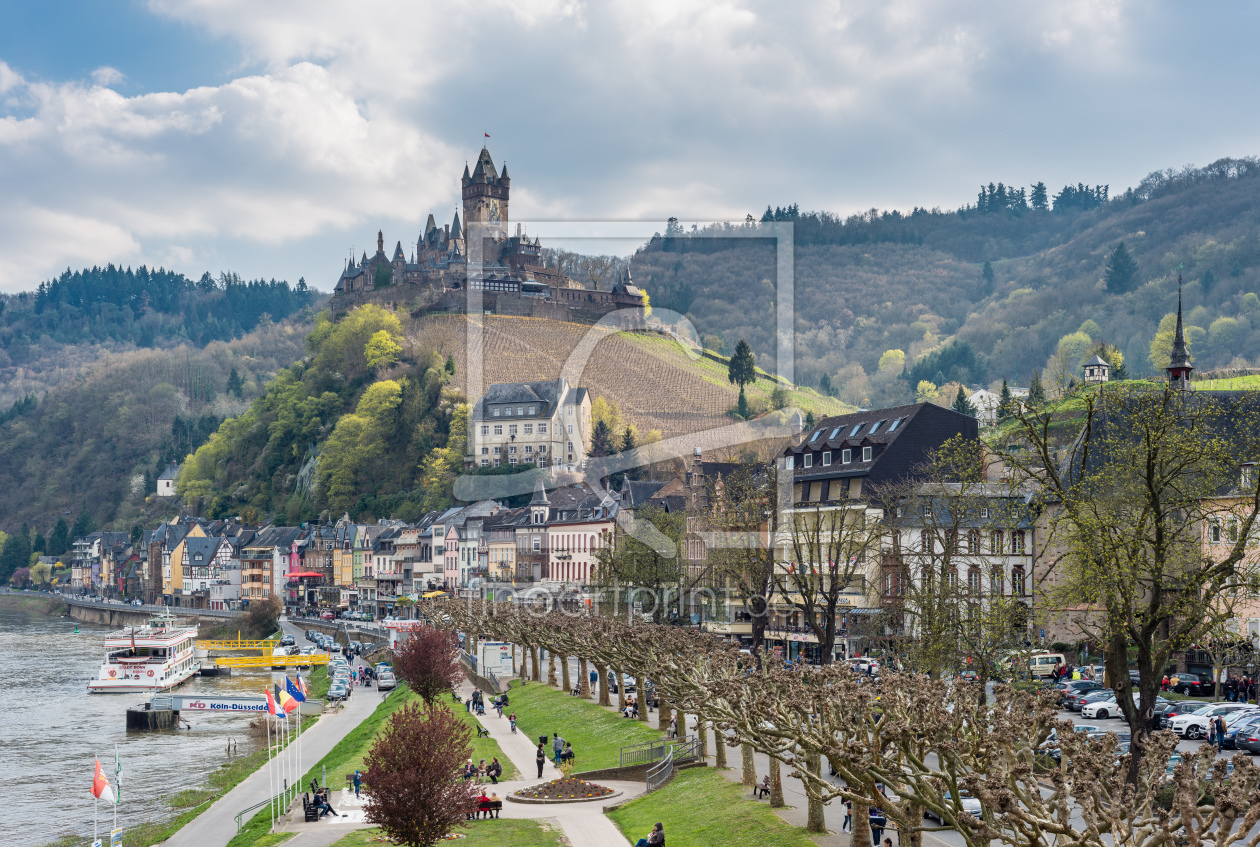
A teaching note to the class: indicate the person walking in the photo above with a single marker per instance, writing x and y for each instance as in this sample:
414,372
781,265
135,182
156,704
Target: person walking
541,758
877,825
673,727
557,747
1220,733
848,816
358,783
1211,732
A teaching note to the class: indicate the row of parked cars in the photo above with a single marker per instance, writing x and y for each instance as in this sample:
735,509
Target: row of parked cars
1187,718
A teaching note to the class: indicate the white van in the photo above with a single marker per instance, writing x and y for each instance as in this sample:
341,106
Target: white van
1042,665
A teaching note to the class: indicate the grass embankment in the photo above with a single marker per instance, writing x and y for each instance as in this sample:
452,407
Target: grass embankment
596,733
700,808
483,833
32,603
348,755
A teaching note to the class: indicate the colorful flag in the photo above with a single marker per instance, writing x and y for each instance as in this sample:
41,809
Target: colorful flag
272,708
302,686
487,135
284,701
295,690
101,788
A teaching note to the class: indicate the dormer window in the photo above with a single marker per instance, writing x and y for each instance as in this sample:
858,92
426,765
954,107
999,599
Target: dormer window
508,412
531,410
809,460
791,462
846,456
895,424
814,437
495,412
856,429
866,454
874,427
826,458
834,433
1247,477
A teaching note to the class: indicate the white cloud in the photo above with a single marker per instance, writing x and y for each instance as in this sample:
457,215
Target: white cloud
106,75
361,115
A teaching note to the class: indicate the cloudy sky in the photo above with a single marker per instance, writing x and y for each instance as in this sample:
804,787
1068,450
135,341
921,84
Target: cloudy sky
270,138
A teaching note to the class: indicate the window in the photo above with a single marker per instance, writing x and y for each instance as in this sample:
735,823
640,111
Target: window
1231,531
826,458
834,432
570,445
542,429
984,514
497,450
808,460
866,454
1247,477
507,412
485,451
531,410
791,462
895,424
973,581
856,427
512,449
511,429
512,460
485,430
537,544
1214,531
846,456
529,449
498,429
1017,582
973,541
529,429
520,410
996,542
1017,542
814,437
542,448
926,543
494,412
875,427
995,583
568,410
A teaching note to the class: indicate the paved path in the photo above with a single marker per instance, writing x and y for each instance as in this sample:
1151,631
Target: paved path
216,826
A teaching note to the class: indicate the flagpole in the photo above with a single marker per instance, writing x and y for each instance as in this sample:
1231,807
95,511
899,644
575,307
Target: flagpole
117,786
270,776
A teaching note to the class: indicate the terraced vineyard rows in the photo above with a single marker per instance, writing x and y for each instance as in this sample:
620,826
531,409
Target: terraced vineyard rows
652,379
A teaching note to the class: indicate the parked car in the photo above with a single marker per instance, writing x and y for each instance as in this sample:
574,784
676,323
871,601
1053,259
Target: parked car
1240,723
1109,708
338,692
1079,703
386,681
969,804
1075,688
1194,684
328,616
1195,724
287,641
1249,738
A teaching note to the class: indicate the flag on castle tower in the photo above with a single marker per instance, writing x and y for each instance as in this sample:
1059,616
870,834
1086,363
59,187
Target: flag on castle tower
487,135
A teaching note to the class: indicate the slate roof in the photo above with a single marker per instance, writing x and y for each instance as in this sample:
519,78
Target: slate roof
547,396
171,473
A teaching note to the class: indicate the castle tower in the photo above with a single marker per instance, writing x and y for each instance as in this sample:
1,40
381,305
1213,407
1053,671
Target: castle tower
1179,366
486,194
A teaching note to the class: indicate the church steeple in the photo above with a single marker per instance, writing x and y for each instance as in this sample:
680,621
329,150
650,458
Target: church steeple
1179,366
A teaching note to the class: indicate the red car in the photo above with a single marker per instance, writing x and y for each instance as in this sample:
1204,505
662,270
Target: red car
327,616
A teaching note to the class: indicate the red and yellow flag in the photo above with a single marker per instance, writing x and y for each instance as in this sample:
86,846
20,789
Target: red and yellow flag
101,789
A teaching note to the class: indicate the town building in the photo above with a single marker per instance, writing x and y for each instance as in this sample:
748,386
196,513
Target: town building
547,424
1097,371
167,481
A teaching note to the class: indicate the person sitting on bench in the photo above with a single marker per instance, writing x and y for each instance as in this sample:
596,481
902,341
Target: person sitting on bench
325,808
566,755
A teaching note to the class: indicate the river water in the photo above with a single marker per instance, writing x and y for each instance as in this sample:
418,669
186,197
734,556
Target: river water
52,728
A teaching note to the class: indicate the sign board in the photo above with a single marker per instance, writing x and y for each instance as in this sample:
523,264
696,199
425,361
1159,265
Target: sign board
115,838
496,656
219,704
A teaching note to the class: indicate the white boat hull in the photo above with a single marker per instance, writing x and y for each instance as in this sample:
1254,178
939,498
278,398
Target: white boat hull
143,685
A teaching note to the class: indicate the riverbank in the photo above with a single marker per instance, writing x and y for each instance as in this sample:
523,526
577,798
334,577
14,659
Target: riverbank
32,602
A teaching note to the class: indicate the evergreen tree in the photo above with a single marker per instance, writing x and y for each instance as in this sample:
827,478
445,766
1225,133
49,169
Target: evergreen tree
83,524
1208,280
59,538
1040,202
1119,373
962,405
602,439
824,385
37,543
987,275
741,371
235,385
16,553
628,441
1036,391
137,533
1121,271
449,367
1006,403
810,420
742,407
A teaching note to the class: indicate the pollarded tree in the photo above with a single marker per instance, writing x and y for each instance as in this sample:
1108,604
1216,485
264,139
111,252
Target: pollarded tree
428,662
413,792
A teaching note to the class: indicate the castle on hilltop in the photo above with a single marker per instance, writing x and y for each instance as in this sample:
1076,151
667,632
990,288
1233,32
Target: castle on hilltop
510,271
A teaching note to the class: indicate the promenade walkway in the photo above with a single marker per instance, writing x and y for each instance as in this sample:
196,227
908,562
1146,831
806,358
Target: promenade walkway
216,826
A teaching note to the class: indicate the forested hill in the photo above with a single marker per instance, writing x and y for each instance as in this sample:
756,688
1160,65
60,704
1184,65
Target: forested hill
1021,279
68,322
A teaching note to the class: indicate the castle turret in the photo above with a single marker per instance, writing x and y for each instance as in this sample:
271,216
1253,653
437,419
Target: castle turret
485,194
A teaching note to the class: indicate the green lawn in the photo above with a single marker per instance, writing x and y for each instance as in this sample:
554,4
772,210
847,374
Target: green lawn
483,833
700,808
596,733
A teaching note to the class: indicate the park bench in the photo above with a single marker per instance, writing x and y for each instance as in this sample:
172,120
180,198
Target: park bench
761,790
310,812
483,732
489,809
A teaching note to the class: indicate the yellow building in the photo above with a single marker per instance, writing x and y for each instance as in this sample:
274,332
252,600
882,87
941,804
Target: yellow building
173,576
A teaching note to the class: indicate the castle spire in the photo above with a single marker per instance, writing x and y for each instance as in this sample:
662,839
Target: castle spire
1179,366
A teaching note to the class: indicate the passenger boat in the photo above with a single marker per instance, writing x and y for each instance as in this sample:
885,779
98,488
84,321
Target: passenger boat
149,658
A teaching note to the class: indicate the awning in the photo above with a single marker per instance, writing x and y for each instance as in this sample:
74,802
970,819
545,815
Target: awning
303,574
433,594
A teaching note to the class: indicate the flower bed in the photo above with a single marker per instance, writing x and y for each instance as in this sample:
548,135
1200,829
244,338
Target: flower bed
567,789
